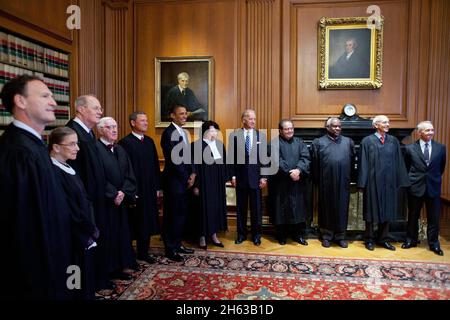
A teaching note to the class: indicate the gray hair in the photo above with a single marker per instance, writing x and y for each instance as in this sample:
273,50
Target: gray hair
183,75
328,123
103,121
246,112
283,121
379,118
422,125
82,101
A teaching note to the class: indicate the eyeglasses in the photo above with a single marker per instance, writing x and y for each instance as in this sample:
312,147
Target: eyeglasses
96,108
110,127
71,145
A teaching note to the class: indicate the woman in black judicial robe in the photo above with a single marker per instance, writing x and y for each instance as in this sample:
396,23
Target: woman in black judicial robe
209,188
119,177
63,146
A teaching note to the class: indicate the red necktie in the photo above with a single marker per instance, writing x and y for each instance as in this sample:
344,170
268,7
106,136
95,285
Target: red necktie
142,139
382,139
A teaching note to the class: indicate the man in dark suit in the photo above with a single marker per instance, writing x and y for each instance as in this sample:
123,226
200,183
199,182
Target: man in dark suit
184,96
352,63
245,167
425,161
90,168
178,177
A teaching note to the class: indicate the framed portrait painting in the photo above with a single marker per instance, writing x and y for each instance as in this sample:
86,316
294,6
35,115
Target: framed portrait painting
186,81
350,53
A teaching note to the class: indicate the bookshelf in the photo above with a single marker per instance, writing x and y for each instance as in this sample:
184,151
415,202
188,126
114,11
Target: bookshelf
21,55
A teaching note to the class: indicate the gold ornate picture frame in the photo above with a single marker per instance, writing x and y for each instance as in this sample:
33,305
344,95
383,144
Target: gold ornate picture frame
197,97
350,53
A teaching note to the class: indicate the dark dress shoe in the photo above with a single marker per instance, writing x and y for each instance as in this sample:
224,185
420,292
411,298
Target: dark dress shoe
437,250
185,250
408,244
387,245
301,240
326,243
282,241
174,256
149,259
218,244
240,239
342,243
121,276
257,241
369,246
205,247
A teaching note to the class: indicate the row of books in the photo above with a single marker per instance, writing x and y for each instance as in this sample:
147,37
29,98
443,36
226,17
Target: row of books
59,88
20,52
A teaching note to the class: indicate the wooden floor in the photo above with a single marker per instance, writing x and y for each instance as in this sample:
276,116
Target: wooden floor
356,249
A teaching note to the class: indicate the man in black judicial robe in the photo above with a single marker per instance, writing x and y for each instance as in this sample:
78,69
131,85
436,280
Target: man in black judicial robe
120,192
89,167
178,177
332,156
143,155
287,187
382,173
35,228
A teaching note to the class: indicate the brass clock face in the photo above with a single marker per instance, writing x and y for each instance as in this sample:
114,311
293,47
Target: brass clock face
349,110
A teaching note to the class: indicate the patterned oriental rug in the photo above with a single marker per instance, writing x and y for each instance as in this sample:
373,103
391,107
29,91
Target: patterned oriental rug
217,275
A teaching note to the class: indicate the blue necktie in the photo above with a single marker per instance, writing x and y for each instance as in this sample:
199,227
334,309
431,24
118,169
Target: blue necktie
426,154
247,143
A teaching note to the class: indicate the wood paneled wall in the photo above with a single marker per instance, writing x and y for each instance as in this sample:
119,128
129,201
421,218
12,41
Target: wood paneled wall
47,16
438,98
91,49
188,29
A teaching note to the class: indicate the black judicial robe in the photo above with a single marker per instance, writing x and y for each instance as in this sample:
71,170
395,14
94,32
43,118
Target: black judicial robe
84,230
382,173
35,241
119,177
287,197
331,168
89,167
211,177
144,159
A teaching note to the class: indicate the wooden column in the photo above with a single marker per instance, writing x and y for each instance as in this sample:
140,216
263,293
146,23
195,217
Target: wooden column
91,53
260,83
117,41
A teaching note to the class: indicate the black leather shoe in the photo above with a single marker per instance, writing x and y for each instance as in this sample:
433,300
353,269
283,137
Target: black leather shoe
205,247
302,241
387,245
326,243
342,243
408,244
240,239
174,256
282,241
185,250
121,276
149,259
369,246
437,250
218,244
257,241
